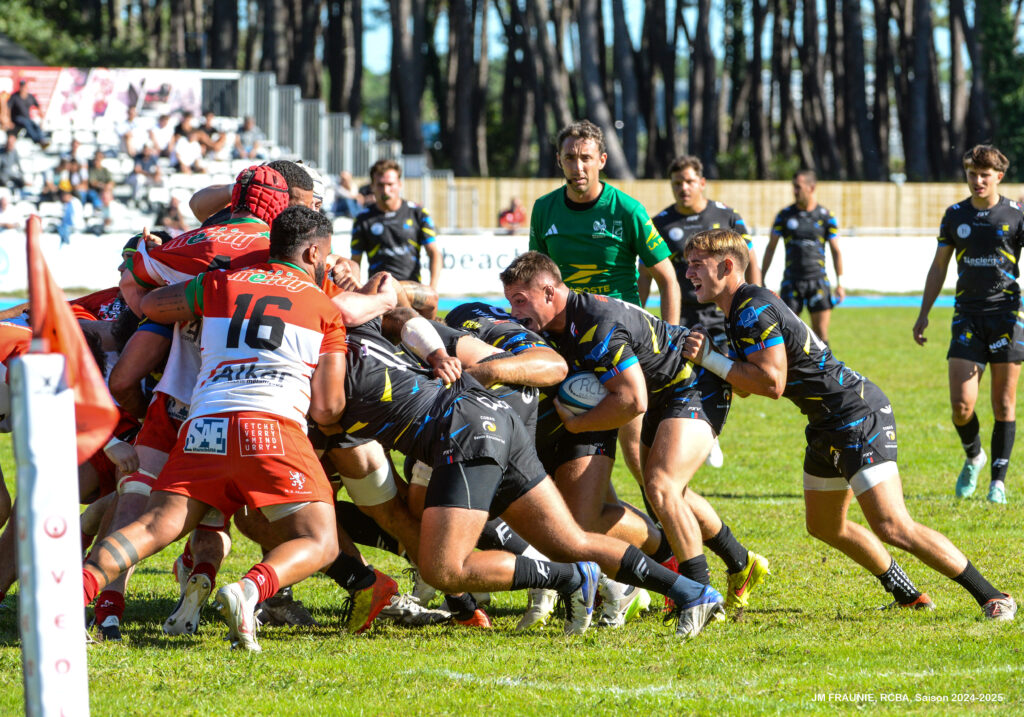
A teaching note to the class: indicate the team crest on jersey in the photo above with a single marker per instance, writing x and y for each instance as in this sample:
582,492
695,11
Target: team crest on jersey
298,480
207,435
792,223
748,317
617,228
963,231
600,226
377,229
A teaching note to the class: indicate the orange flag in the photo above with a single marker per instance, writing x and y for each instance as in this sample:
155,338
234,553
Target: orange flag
52,321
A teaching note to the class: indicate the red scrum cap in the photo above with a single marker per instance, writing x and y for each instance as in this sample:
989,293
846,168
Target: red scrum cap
261,191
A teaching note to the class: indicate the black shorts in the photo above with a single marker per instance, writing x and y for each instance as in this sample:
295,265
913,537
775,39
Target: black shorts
843,451
708,316
703,396
478,484
323,443
815,293
561,447
987,338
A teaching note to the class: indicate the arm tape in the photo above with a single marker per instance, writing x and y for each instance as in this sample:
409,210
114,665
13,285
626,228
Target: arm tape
421,337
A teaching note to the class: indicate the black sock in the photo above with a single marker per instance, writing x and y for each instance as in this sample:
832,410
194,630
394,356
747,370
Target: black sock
895,581
972,581
643,572
350,573
362,528
664,551
532,573
970,436
696,569
1003,433
461,606
725,546
497,535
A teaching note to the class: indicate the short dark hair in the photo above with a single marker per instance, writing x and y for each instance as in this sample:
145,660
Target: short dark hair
296,227
385,165
294,175
686,161
527,267
807,174
985,156
582,129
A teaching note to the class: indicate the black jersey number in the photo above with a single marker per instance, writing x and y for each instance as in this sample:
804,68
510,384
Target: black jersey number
257,321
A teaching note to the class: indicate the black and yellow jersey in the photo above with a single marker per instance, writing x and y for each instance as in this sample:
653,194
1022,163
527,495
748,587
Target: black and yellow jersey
392,240
987,244
805,234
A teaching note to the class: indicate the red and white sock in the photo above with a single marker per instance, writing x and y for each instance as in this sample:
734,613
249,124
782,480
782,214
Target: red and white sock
264,579
109,602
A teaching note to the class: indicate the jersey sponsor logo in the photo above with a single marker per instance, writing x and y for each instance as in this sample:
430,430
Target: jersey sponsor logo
991,260
207,435
260,437
489,426
247,372
1000,344
617,228
287,281
222,234
963,231
748,317
551,230
583,273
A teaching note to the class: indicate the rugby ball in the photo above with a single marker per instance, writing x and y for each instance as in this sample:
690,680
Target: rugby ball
581,392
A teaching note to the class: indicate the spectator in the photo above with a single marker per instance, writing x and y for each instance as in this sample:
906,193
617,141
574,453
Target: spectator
51,181
76,152
11,174
73,217
171,218
143,173
10,216
347,201
210,136
187,152
98,179
162,136
103,216
79,178
130,130
5,112
249,141
514,217
21,105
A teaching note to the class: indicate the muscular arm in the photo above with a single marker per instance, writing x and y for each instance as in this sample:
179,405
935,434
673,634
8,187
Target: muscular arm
764,372
932,287
375,298
769,254
538,366
210,200
419,296
168,305
837,262
327,389
664,274
753,273
143,354
626,399
434,254
643,284
132,292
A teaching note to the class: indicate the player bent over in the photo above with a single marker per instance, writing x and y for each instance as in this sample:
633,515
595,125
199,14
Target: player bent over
272,348
484,464
851,433
637,358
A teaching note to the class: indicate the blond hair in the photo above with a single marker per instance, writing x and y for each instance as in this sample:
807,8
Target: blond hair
720,243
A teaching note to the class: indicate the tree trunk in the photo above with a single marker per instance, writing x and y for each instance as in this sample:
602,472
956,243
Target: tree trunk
625,73
593,89
275,32
758,118
816,117
867,163
407,65
554,67
957,90
305,69
224,34
883,71
480,103
177,23
915,141
703,139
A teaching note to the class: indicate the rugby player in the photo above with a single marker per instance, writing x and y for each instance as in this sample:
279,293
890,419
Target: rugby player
692,212
595,234
985,232
393,230
272,349
484,464
851,433
805,227
638,360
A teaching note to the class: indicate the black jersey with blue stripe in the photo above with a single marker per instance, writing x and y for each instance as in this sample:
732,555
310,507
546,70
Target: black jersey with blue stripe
805,233
829,393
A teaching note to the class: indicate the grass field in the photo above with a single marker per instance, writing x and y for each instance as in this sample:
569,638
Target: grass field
812,631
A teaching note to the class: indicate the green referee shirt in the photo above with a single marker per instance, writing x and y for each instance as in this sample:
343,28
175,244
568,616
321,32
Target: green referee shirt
596,248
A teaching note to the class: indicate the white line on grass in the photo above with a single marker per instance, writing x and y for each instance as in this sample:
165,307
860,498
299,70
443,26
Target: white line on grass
502,681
